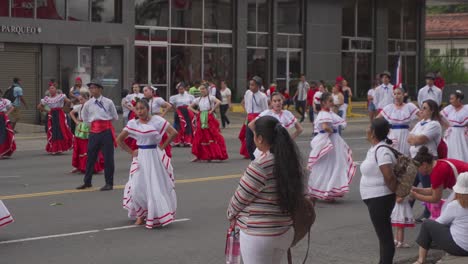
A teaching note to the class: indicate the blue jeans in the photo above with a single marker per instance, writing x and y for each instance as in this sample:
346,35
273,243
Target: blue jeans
425,181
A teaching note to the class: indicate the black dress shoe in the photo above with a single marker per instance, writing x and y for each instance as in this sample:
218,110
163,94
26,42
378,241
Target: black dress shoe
84,186
107,187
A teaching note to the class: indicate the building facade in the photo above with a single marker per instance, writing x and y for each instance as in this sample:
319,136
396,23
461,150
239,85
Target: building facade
162,42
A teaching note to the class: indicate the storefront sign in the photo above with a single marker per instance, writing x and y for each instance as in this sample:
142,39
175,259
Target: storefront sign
20,30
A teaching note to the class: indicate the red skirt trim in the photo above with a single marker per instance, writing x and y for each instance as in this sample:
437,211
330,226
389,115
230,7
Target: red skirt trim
58,145
182,136
80,156
208,143
9,145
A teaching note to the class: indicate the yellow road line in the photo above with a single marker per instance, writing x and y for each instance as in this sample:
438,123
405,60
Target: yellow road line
117,187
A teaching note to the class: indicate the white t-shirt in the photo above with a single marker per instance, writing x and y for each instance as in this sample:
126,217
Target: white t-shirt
372,180
224,96
371,92
430,129
317,97
286,118
457,217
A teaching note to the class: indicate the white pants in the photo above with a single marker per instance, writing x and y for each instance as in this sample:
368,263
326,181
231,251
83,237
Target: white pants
264,249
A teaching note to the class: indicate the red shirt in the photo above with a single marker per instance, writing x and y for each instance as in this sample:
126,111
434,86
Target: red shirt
310,96
439,82
442,173
285,95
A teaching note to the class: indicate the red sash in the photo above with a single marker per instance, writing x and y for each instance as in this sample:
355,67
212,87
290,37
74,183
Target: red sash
252,116
100,126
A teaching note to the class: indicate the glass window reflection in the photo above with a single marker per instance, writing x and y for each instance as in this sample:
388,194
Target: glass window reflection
107,67
348,18
22,8
217,64
141,64
218,14
187,14
394,19
106,11
257,63
4,7
290,16
152,13
78,10
364,18
185,65
51,9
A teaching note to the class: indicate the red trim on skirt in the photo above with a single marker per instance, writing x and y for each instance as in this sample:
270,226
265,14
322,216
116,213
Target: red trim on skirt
80,156
208,143
243,150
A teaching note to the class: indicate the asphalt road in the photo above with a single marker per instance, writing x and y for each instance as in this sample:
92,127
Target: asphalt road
55,224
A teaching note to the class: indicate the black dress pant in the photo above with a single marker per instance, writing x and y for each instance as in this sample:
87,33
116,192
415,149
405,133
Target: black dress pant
249,140
380,211
100,142
439,234
223,110
301,108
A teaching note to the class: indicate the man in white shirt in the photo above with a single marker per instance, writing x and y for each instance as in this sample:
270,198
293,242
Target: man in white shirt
254,103
430,91
301,96
383,95
99,112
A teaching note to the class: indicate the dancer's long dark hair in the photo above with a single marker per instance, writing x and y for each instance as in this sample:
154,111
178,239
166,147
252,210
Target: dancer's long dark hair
288,169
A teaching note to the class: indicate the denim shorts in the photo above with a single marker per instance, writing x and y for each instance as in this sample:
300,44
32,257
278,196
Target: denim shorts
371,107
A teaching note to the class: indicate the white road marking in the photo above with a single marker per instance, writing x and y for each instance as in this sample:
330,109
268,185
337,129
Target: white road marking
77,233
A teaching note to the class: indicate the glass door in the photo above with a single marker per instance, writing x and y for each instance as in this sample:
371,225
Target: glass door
158,74
289,68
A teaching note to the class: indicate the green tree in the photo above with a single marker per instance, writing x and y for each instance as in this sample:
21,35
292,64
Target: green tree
450,65
448,9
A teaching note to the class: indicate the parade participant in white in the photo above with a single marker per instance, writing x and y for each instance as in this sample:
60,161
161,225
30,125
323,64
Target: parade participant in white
149,194
430,91
330,161
156,103
428,131
286,118
383,94
183,118
400,115
455,117
130,99
5,216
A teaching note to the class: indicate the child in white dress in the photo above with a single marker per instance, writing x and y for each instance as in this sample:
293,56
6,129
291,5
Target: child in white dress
402,217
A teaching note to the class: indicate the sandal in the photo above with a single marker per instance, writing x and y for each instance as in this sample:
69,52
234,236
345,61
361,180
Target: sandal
402,245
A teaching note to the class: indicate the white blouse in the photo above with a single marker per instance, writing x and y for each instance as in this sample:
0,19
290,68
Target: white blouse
54,102
205,103
454,117
402,116
432,130
286,118
155,105
181,99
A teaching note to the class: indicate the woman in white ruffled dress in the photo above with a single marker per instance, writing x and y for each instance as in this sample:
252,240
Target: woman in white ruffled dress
400,115
330,161
149,194
5,216
455,117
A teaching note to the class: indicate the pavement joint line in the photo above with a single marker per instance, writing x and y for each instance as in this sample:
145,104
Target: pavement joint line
117,187
78,233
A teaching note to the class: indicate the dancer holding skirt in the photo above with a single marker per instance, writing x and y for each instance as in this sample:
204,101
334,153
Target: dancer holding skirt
455,118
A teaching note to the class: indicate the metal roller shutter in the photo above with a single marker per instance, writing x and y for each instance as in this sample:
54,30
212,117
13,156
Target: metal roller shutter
22,61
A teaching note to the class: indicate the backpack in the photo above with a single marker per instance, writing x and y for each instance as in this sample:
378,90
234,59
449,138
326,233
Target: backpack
405,171
9,94
303,219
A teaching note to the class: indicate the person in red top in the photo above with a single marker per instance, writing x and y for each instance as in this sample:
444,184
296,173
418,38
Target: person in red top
310,100
287,98
439,81
441,173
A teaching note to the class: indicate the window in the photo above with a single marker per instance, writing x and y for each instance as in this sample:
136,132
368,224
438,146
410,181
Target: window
22,8
4,7
74,61
107,67
218,14
410,19
152,13
394,19
185,64
290,16
218,64
462,52
258,13
434,52
364,18
106,11
78,10
141,64
51,9
187,14
257,63
349,16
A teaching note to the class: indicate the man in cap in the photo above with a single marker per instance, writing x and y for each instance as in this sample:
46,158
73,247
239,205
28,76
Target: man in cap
254,103
430,91
383,95
99,112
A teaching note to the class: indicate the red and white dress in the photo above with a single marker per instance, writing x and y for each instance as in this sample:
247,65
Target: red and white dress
183,121
5,216
150,190
286,118
80,145
208,143
7,135
59,136
456,136
402,214
130,100
400,119
330,161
